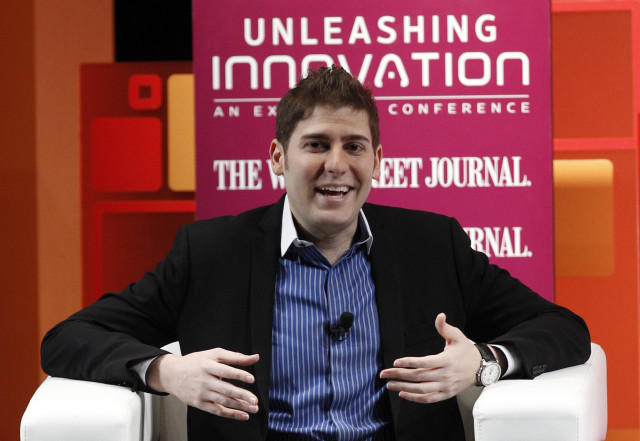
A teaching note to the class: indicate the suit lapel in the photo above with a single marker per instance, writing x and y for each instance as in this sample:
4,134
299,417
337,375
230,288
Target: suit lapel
265,251
388,297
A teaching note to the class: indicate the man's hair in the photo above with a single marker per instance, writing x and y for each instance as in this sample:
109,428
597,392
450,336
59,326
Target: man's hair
328,86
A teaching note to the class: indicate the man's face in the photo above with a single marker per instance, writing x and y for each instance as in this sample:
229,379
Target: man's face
327,168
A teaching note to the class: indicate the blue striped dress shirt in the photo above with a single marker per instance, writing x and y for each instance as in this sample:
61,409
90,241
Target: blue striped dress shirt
322,388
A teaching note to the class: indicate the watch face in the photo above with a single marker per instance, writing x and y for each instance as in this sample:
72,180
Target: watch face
490,374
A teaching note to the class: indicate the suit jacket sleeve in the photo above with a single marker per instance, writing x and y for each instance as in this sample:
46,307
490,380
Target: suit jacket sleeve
102,341
502,310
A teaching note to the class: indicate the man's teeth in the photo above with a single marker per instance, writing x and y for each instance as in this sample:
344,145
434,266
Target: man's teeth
335,191
342,189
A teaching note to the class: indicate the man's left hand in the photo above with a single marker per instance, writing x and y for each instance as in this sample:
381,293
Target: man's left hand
436,377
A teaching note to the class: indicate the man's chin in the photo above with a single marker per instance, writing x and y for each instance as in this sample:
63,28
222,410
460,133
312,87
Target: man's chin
334,220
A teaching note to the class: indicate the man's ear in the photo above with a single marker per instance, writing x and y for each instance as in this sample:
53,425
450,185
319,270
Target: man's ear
377,160
276,153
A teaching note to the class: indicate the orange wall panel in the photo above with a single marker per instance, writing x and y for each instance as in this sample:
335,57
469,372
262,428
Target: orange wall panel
583,217
592,75
609,304
18,278
596,99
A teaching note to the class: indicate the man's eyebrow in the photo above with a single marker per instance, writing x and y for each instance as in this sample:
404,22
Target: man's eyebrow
324,136
355,138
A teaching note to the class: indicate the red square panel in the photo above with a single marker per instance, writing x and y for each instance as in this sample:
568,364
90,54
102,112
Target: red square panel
128,239
126,154
133,243
145,92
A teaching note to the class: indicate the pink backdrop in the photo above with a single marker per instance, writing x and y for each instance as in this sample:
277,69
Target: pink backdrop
463,90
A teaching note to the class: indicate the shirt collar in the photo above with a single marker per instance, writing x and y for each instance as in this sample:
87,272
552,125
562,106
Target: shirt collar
289,234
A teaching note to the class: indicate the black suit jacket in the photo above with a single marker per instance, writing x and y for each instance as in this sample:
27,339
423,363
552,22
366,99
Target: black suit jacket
215,288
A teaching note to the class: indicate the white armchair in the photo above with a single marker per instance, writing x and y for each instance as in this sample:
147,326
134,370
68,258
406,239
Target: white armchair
569,404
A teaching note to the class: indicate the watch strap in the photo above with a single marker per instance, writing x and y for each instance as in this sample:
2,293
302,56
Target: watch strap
486,353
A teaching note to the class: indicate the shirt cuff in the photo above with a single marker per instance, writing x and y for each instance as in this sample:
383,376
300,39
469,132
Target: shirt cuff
141,368
513,365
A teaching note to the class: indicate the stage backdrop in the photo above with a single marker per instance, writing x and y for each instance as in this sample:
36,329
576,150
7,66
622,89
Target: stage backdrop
463,90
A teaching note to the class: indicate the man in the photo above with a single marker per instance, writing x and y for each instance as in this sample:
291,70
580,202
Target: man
262,303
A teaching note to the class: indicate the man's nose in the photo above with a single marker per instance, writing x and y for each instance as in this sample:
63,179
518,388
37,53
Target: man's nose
336,161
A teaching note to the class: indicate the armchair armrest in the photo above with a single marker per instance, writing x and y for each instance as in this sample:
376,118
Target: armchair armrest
74,410
568,404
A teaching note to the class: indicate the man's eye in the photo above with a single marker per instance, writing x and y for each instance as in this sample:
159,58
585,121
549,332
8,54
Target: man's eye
316,145
355,147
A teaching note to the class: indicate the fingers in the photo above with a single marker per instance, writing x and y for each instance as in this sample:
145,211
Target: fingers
229,402
217,369
427,362
224,412
448,332
236,358
226,400
425,398
441,320
414,388
228,395
427,391
201,379
411,374
435,377
421,385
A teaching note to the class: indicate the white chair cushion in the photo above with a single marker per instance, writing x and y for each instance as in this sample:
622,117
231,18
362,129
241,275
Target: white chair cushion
569,404
72,410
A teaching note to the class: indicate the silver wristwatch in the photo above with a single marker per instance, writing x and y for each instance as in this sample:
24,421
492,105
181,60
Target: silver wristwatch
489,371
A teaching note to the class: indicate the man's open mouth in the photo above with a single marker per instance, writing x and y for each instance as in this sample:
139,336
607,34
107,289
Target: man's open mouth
333,191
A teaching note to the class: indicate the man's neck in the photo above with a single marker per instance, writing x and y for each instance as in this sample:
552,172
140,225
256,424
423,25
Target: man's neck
332,245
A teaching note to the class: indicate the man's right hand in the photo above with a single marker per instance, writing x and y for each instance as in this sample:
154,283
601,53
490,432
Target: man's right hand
198,379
